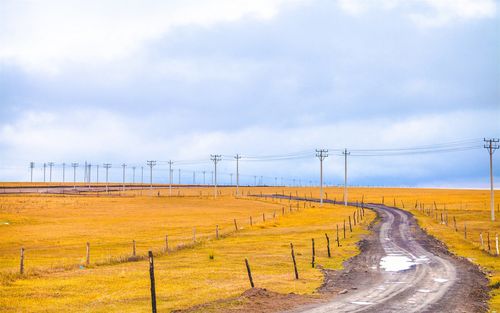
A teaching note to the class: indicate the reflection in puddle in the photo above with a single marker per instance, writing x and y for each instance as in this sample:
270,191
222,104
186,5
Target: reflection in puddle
395,263
362,302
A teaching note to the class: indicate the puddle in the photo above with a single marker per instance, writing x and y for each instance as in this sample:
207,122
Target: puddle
440,280
396,263
422,259
362,302
424,290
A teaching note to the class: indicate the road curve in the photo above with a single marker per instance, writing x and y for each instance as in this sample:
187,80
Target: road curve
406,277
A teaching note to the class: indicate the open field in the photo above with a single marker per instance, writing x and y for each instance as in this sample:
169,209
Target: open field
54,229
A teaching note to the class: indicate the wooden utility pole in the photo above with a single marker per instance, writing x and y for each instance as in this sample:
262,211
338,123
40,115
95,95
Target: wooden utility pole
491,145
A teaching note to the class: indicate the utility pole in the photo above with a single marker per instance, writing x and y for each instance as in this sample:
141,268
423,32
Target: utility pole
170,178
254,180
51,164
151,164
44,169
321,154
194,177
237,157
97,173
64,172
107,166
74,165
85,175
32,166
133,174
345,153
215,158
492,145
89,173
124,166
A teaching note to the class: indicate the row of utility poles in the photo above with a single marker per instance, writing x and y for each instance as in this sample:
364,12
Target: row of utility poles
490,144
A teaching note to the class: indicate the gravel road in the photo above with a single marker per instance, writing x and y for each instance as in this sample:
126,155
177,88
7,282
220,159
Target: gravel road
402,269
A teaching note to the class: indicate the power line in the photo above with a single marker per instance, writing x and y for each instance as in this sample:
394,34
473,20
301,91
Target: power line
215,158
237,157
492,145
107,167
345,153
151,164
321,154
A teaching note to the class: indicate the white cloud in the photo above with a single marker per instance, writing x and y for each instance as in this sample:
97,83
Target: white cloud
426,13
108,137
43,36
443,12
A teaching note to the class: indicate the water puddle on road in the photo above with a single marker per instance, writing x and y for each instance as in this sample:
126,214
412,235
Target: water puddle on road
396,263
362,302
440,280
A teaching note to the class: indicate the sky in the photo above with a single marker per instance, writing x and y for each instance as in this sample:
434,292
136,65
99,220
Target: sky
123,82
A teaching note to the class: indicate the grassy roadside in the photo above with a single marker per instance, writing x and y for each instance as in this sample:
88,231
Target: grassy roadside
212,269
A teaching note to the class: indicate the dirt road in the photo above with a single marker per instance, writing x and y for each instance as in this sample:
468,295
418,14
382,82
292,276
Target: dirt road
401,269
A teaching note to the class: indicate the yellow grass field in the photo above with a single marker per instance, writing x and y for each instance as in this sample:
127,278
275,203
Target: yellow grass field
54,230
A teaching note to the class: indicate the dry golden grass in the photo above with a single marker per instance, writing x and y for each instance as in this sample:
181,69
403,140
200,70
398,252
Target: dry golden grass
54,229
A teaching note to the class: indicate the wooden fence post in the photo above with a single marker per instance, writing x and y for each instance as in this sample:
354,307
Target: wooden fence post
133,247
465,231
294,263
455,223
282,210
496,243
21,265
354,218
328,245
166,243
194,235
338,241
251,223
216,231
235,225
263,217
489,246
344,228
152,280
249,273
481,239
350,225
313,253
88,254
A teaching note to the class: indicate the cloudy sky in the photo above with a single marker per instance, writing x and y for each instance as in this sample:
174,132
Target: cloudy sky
130,81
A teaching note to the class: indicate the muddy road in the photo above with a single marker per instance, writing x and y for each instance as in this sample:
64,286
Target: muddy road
402,269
